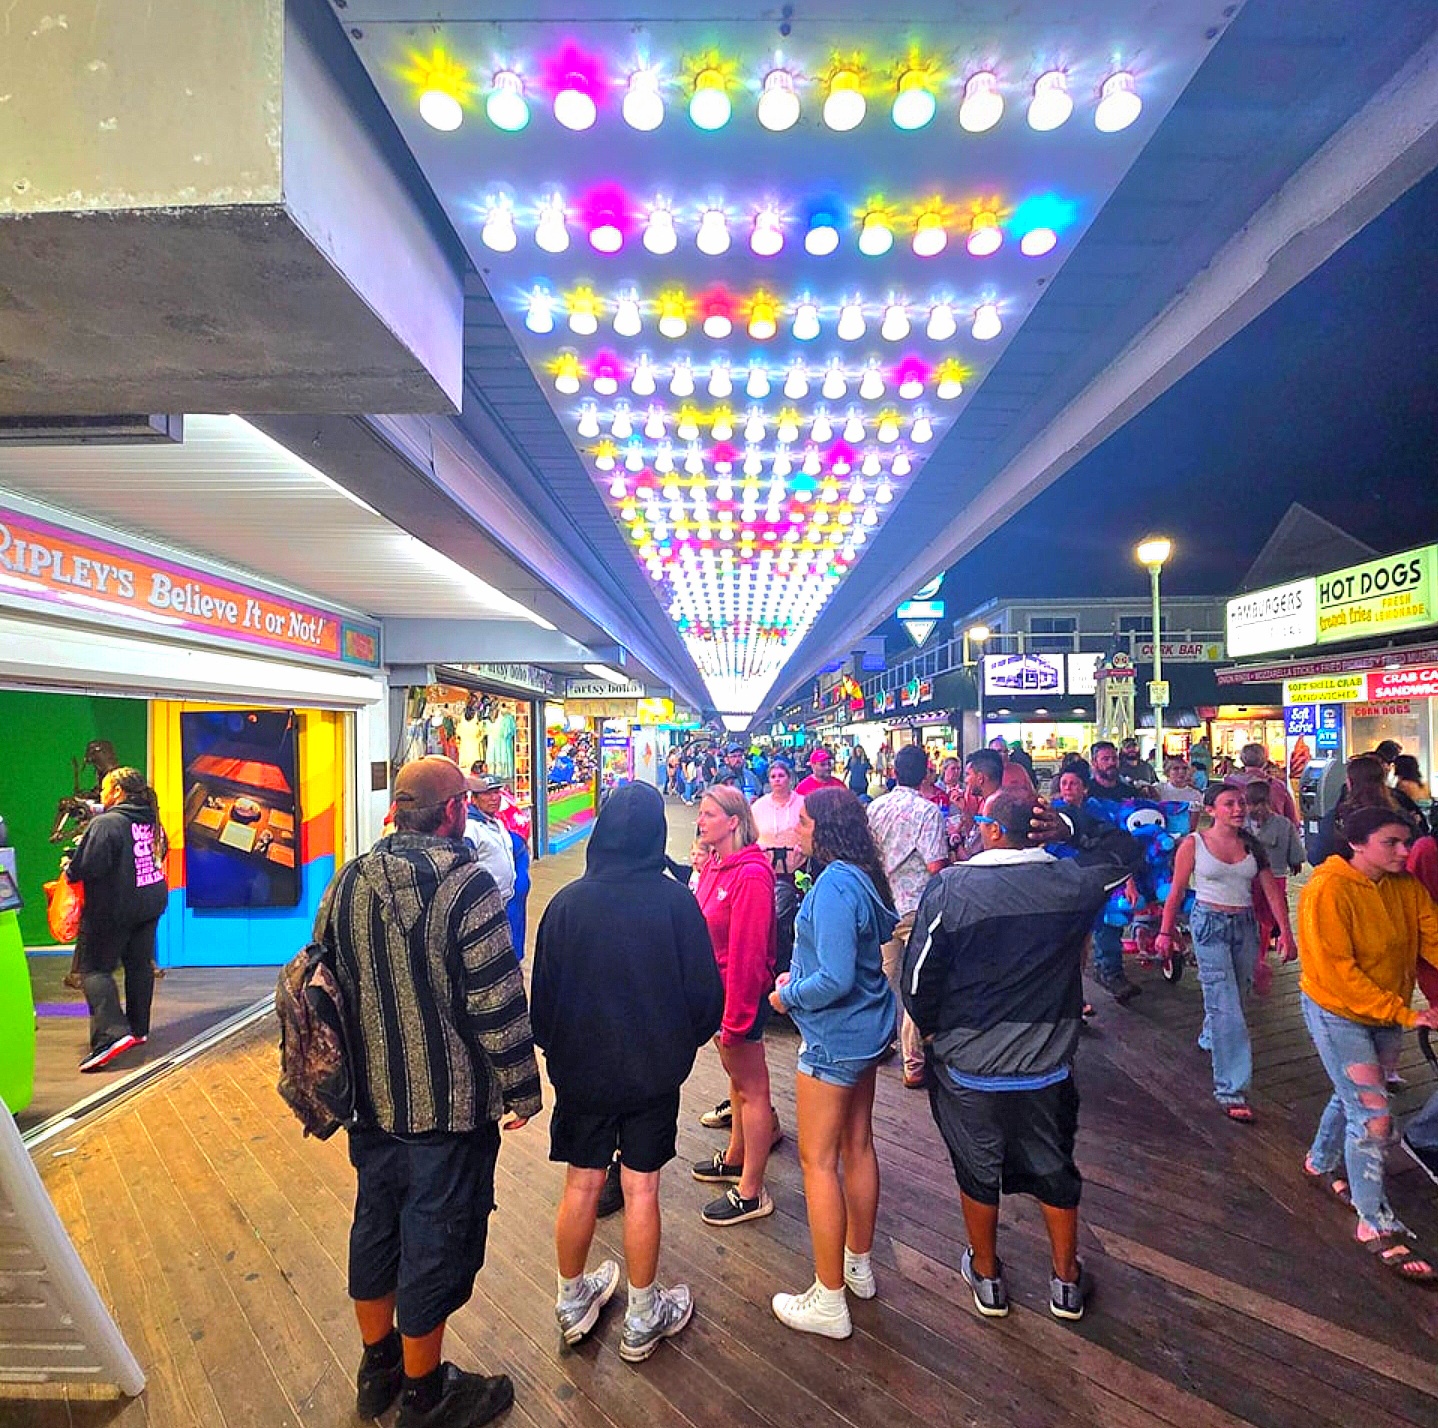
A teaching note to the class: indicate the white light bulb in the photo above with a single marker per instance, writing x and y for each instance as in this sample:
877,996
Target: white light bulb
659,235
835,387
778,104
888,427
911,386
948,387
896,323
583,318
983,105
721,384
871,465
642,383
605,459
845,107
588,421
811,462
930,235
1051,104
539,318
986,322
709,107
754,427
694,461
441,110
876,236
914,104
758,384
1118,103
654,424
854,429
884,493
796,383
687,428
942,323
498,231
506,106
782,464
574,105
767,239
664,458
851,322
627,321
621,426
871,388
985,236
822,237
551,232
634,458
718,325
822,430
856,495
681,381
788,429
643,106
806,322
871,516
606,383
617,488
1038,241
901,464
753,462
723,426
713,235
922,430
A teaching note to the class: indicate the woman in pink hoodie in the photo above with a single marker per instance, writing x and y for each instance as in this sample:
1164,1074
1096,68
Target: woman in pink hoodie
736,896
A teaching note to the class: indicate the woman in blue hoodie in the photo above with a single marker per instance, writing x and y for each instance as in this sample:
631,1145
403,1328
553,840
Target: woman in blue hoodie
838,997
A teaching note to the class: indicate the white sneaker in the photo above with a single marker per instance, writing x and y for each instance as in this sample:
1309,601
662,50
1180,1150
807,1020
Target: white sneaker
808,1313
860,1282
673,1308
579,1315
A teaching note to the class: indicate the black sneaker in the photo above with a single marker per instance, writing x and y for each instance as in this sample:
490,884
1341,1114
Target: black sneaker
99,1059
611,1198
1424,1156
1119,987
380,1377
731,1208
716,1170
468,1400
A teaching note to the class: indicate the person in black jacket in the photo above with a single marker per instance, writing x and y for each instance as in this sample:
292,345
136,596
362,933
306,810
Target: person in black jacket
625,991
121,861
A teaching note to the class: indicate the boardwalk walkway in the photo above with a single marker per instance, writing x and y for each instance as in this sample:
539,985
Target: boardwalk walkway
1227,1291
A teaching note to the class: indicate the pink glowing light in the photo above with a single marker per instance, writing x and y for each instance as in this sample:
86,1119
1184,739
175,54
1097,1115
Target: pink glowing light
605,213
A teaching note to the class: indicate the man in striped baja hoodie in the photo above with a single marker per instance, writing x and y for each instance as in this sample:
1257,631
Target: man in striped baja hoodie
440,1049
993,980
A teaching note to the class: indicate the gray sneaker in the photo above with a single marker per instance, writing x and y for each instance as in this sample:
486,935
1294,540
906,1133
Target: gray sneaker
991,1296
673,1309
1065,1298
579,1315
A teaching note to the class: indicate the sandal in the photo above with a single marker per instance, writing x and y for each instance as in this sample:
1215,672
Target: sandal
1393,1251
1241,1112
1330,1181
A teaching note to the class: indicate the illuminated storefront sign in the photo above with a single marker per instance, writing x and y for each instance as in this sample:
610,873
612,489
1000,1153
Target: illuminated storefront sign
87,576
1326,688
1023,674
1421,681
1379,597
1283,617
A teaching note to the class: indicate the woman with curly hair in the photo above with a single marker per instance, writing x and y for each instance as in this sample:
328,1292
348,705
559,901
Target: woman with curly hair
839,999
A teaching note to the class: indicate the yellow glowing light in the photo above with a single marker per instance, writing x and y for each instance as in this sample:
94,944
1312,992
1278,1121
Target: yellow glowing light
566,373
673,314
763,317
441,86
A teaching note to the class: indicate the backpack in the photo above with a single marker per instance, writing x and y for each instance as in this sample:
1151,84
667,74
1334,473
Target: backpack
316,1075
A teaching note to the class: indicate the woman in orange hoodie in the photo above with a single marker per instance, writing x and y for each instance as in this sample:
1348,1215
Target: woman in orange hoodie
736,896
1363,925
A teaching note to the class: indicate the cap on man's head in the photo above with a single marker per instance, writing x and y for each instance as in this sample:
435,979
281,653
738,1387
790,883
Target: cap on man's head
821,756
429,782
733,748
485,783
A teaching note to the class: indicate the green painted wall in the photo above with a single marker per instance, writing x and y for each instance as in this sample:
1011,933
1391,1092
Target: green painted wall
39,734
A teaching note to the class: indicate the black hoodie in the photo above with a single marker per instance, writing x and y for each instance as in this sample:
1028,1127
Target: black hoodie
123,871
625,987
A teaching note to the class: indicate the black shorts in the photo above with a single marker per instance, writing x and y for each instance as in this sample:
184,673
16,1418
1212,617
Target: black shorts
1017,1142
643,1136
421,1220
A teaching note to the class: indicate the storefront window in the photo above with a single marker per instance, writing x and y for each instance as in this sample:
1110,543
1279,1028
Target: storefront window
1045,743
1402,720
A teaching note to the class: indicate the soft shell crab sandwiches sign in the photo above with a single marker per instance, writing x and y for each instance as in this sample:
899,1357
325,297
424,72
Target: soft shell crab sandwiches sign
44,562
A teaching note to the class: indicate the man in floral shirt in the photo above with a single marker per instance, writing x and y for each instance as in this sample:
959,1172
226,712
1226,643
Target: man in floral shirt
909,833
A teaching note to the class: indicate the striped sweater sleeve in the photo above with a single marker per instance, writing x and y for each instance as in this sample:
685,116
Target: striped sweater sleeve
496,1014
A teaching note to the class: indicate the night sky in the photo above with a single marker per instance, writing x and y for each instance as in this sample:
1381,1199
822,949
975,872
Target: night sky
1329,398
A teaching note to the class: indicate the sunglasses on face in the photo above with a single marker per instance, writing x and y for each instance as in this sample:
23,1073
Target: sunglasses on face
984,818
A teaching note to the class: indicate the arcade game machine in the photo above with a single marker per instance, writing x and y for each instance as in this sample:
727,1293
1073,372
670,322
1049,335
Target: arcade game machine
17,1003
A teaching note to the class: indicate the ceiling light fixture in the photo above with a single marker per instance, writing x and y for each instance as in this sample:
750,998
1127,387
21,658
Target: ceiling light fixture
1038,241
949,384
896,323
681,380
845,107
985,235
1118,104
718,323
642,384
778,103
1051,104
643,107
871,465
806,321
713,235
574,105
539,317
606,375
754,427
854,429
876,237
871,387
922,429
883,493
551,233
498,231
942,323
983,105
627,320
654,424
506,106
796,383
721,383
851,322
709,106
441,110
836,386
914,104
763,319
621,424
888,428
930,235
659,235
901,464
758,384
823,235
767,239
673,322
822,429
986,322
911,384
588,426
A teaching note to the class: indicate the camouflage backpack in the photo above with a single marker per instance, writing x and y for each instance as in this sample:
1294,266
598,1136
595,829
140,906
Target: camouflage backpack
316,1080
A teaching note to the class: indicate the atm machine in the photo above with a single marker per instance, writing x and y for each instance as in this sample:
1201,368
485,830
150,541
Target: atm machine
1319,788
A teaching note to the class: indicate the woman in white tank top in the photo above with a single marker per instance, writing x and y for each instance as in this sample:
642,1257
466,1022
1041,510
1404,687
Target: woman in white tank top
1223,864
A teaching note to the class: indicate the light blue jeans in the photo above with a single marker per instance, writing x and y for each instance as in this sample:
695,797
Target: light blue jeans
1225,947
1344,1045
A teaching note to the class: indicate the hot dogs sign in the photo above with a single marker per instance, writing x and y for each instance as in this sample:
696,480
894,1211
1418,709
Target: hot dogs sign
47,563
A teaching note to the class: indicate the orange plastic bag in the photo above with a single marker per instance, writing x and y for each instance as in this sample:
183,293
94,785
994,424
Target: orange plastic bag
64,902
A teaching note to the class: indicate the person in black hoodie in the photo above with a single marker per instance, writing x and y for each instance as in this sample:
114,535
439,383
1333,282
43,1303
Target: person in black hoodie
624,993
121,861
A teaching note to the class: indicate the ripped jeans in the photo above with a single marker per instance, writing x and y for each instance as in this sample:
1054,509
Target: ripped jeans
1346,1047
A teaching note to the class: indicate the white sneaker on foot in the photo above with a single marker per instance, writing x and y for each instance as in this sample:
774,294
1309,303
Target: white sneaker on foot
673,1308
814,1312
860,1282
579,1315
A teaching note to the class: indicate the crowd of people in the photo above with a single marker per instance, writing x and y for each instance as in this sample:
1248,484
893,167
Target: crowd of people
944,917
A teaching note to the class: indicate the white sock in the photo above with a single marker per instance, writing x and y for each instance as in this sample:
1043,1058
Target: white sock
856,1264
569,1288
830,1299
641,1301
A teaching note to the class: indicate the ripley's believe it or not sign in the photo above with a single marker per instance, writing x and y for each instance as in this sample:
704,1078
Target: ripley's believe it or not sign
93,578
1379,597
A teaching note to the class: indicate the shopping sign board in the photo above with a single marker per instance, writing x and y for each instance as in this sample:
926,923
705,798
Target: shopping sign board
1023,674
1282,617
1334,688
1300,719
1379,597
99,579
1416,682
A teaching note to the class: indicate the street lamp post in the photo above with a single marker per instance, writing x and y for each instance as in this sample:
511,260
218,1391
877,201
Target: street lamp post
1153,552
978,635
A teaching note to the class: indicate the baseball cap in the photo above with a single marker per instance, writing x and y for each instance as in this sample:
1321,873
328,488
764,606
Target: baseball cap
733,748
821,756
429,782
485,783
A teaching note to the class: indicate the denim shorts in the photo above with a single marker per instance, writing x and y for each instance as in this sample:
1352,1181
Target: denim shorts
813,1061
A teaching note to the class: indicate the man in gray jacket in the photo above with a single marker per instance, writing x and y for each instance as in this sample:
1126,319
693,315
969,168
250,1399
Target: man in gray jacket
440,1050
